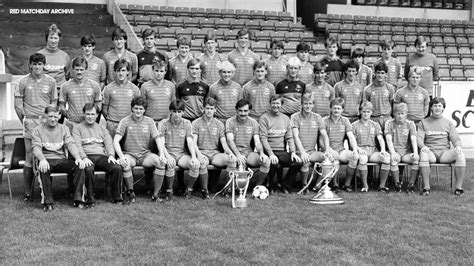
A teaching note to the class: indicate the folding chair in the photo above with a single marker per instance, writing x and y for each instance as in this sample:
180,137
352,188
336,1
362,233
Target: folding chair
16,162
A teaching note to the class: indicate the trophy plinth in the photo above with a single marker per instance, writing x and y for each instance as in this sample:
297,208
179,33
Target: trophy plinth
240,180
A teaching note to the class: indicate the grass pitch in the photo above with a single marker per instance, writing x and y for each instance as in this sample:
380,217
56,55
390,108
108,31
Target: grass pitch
370,228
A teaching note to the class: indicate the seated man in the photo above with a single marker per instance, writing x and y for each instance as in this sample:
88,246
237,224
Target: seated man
435,136
176,134
96,149
367,132
241,130
276,134
338,127
138,131
208,132
400,135
307,126
50,141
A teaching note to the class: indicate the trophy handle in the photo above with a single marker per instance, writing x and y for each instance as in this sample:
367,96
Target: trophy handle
232,177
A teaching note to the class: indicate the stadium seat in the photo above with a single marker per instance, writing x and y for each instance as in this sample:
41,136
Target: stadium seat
318,48
259,47
421,22
267,25
346,28
447,30
410,30
444,74
393,3
372,29
175,22
399,39
290,47
213,13
152,10
199,33
167,11
124,8
396,21
416,3
448,5
422,30
411,49
308,36
278,35
358,38
385,37
462,41
385,21
136,9
271,15
159,21
469,74
139,29
242,14
457,74
197,45
167,32
346,18
142,20
285,16
449,40
398,29
198,12
437,4
208,23
334,18
372,50
184,32
183,12
370,60
228,13
292,36
225,46
458,31
452,51
385,29
409,22
252,25
282,26
256,14
333,27
400,50
296,26
237,24
262,35
359,29
437,40
131,19
228,34
410,39
171,54
191,22
434,31
372,39
162,44
467,62
382,2
222,23
220,33
442,61
454,62
426,4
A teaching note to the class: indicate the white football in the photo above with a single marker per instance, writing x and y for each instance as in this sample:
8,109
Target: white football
260,192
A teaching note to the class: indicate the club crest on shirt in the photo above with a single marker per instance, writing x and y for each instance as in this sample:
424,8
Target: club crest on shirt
372,131
314,124
364,75
182,133
45,89
357,91
405,131
251,61
200,90
327,94
93,66
266,91
213,131
249,130
342,128
419,97
298,88
234,93
145,128
89,91
129,93
385,93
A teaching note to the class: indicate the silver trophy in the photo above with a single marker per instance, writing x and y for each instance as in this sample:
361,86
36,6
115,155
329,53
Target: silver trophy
240,179
325,196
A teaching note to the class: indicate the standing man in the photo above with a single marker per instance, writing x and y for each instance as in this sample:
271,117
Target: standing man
211,59
416,97
276,135
350,90
148,56
305,73
258,91
34,93
119,39
226,92
138,131
243,58
335,66
193,91
179,64
380,93
78,91
291,88
97,151
241,131
50,141
96,70
118,95
276,63
57,61
158,92
322,92
208,133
